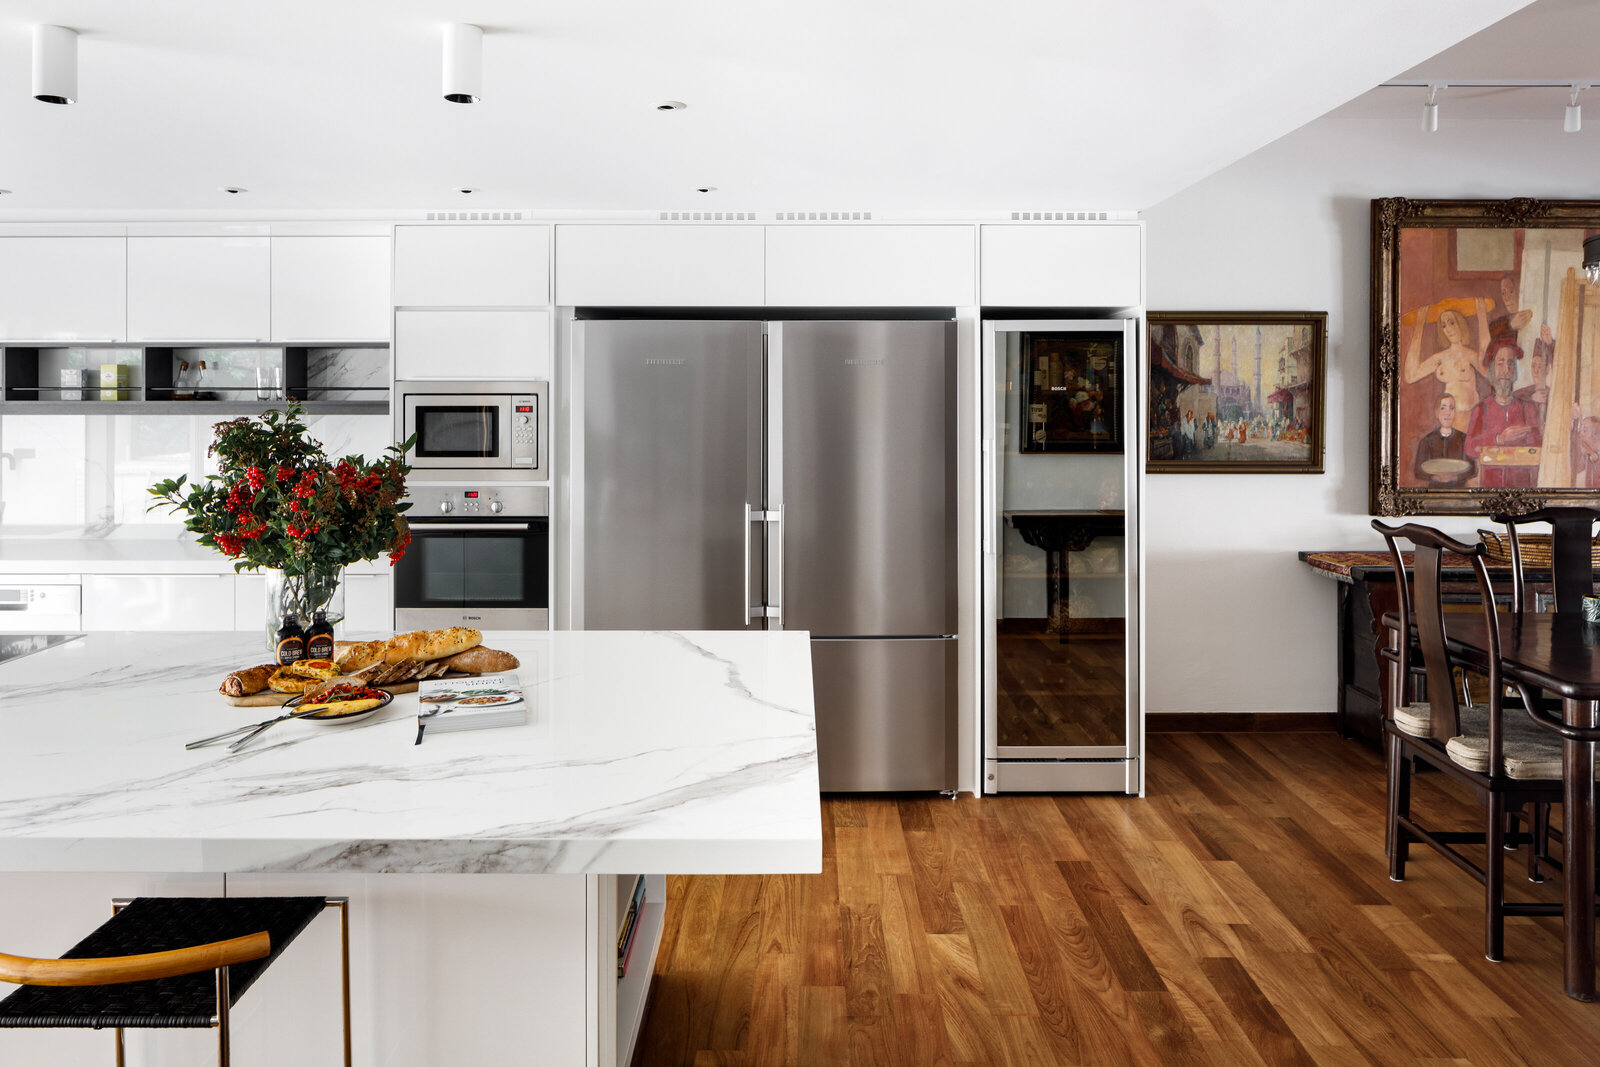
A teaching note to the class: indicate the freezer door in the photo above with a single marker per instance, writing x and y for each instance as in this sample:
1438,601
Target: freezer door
670,466
886,714
866,478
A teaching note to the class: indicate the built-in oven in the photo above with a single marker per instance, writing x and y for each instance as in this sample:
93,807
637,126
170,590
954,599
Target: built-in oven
494,430
479,556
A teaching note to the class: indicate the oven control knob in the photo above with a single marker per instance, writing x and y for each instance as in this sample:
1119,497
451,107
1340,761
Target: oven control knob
445,507
496,506
522,420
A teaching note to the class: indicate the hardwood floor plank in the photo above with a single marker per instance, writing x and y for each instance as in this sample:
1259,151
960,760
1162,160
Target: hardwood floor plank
1240,916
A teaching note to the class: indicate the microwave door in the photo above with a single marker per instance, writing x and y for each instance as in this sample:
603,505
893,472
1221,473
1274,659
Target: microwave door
459,431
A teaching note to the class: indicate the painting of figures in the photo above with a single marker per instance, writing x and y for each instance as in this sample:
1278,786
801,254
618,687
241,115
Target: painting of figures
1236,392
1486,389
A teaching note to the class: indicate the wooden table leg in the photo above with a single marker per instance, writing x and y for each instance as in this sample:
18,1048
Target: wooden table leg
1577,861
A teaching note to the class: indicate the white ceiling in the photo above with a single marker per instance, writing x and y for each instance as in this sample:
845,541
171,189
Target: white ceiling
893,106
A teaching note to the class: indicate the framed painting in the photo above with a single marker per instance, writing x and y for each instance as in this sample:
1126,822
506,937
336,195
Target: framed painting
1071,392
1236,392
1485,385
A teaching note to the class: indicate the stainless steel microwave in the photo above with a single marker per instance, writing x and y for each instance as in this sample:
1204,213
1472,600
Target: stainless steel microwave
481,427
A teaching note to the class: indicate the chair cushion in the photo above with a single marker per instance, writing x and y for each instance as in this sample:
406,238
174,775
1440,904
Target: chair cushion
1527,750
158,924
1414,719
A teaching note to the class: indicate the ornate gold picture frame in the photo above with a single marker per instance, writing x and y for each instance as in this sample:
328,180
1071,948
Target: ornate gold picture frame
1485,385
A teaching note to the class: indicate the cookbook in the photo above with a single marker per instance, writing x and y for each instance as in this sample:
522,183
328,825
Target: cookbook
449,704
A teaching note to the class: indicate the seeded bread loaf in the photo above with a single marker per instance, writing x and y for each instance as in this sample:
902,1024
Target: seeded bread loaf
361,655
428,645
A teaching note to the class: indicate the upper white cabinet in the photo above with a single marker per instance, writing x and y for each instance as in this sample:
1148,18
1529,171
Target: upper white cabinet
672,265
1071,265
330,289
63,288
199,288
870,266
159,602
496,345
471,266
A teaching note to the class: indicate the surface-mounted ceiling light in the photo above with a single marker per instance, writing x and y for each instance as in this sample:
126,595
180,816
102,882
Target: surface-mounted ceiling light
463,63
1430,111
1574,120
55,64
1591,258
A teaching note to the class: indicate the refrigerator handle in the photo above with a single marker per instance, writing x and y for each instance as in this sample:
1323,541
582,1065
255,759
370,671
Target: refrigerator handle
744,586
777,608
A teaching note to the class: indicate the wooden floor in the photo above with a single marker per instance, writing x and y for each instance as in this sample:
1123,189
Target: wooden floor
1241,914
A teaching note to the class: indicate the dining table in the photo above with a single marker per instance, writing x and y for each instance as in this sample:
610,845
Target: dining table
1558,652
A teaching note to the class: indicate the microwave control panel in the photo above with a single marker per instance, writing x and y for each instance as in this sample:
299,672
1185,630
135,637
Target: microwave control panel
525,431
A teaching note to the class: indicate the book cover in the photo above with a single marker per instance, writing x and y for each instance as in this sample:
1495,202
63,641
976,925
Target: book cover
449,704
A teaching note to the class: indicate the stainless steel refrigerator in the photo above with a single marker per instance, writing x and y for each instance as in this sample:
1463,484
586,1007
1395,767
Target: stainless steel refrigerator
794,475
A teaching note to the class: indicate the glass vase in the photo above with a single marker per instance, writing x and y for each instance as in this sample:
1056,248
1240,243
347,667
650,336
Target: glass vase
302,596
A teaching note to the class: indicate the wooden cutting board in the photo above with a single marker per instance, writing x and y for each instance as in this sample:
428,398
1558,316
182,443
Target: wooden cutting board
272,699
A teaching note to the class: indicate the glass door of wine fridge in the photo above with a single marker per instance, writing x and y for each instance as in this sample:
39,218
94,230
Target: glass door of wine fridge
1063,450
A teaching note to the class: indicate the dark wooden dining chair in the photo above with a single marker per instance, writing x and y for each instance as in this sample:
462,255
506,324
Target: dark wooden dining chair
166,962
1507,761
1571,547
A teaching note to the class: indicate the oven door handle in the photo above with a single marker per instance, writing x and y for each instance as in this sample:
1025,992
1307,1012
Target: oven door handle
448,527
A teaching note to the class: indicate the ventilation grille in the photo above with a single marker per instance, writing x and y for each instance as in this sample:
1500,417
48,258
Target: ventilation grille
822,216
1059,216
708,216
474,216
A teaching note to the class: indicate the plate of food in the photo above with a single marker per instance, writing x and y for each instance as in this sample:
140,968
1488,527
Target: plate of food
344,702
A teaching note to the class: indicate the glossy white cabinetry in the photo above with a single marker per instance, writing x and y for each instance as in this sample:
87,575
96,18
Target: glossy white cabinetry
158,601
870,266
471,266
199,288
63,288
368,601
330,289
660,265
1070,265
489,345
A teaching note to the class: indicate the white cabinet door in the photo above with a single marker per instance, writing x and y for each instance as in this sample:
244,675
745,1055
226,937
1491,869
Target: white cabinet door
484,345
667,265
63,288
871,266
1071,265
368,602
250,602
471,266
158,601
199,288
330,289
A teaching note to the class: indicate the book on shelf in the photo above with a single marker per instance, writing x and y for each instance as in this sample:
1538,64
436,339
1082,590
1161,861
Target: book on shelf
630,926
449,704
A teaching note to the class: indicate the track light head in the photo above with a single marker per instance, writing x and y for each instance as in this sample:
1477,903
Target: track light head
1430,110
1574,120
55,65
463,63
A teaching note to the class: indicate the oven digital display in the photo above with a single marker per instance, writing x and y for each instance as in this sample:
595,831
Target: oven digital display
458,431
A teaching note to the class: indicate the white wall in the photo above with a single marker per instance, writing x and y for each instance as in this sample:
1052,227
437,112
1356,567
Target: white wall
1235,622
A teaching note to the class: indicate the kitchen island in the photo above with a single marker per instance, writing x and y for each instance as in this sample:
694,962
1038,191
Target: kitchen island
482,866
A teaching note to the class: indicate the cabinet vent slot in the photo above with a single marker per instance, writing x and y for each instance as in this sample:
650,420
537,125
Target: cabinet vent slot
822,216
1059,216
707,216
474,216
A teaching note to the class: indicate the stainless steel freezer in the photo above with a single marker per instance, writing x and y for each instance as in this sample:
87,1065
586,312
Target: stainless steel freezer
809,464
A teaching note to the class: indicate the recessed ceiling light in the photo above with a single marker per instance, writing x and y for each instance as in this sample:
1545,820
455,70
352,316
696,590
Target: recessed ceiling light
706,189
466,192
5,192
671,105
233,190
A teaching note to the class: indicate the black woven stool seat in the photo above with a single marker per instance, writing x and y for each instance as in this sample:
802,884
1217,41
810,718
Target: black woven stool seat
159,924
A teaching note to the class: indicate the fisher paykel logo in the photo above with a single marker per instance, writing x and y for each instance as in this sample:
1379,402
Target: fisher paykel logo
863,363
663,363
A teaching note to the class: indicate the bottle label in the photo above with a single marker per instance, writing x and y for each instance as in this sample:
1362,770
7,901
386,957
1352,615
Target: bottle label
291,649
320,646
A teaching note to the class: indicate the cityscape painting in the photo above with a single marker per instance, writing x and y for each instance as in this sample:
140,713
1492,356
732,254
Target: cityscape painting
1236,392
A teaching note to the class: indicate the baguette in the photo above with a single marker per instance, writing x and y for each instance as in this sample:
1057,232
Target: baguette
482,660
247,682
360,655
430,645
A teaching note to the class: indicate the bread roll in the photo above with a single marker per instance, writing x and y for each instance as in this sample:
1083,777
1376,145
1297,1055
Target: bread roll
481,660
429,645
248,681
284,680
358,656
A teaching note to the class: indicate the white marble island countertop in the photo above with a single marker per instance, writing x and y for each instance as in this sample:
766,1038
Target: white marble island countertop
665,752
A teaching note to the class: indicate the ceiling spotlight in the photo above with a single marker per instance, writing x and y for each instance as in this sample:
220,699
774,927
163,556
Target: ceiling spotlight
1591,258
465,191
1574,120
232,190
55,64
5,192
463,63
671,105
706,189
1430,111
